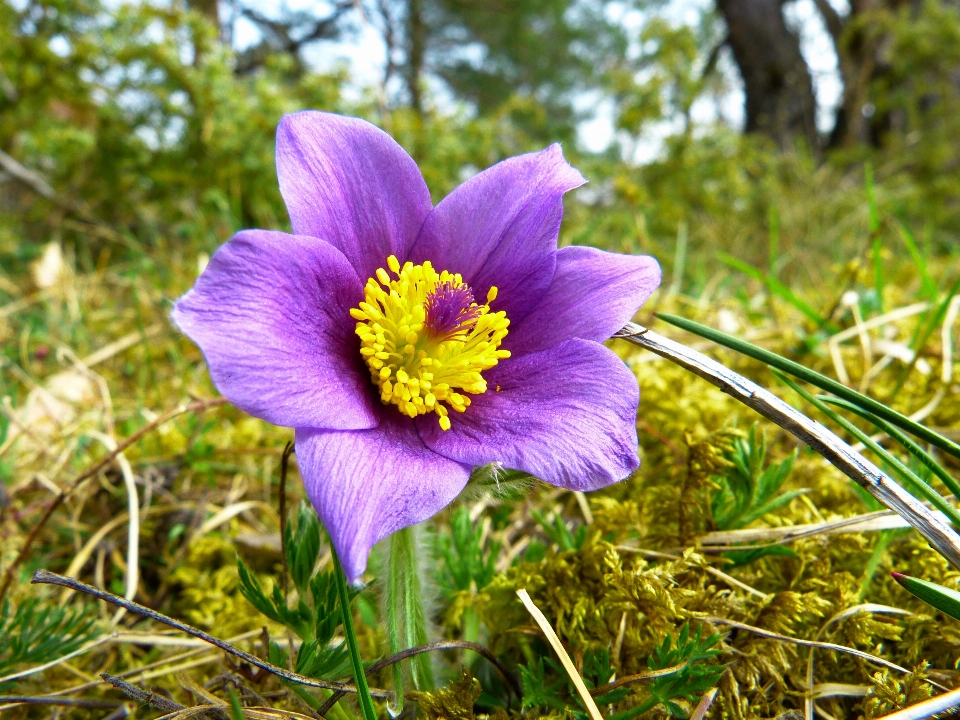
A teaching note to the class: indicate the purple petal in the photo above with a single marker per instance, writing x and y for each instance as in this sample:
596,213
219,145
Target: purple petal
367,484
593,294
349,183
566,415
272,315
500,228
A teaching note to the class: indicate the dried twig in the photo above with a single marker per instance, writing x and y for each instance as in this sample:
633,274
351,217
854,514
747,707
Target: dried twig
935,529
144,697
809,706
133,513
722,540
141,673
48,578
197,406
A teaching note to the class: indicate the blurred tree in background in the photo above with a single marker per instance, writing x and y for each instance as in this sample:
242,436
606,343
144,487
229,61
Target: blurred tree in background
142,125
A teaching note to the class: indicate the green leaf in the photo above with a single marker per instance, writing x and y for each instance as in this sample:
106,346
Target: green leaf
302,547
692,680
774,477
747,490
467,565
37,632
299,620
251,589
943,599
815,378
772,506
236,709
536,691
556,529
326,613
316,659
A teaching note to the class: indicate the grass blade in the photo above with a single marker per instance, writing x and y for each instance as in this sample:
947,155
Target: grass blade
916,486
815,378
943,599
924,330
912,447
774,286
875,240
928,288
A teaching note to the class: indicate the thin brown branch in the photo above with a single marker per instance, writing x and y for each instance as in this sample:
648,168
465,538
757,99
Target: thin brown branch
142,696
56,502
45,577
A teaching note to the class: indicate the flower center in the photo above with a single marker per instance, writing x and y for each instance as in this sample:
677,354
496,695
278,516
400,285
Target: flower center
426,340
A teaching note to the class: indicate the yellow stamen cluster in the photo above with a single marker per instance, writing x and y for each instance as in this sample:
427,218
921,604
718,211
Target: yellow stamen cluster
416,368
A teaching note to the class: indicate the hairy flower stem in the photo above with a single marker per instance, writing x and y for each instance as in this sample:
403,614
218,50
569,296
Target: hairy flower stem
360,678
471,633
406,620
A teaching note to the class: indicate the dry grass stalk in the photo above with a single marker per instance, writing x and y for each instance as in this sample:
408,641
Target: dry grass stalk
558,648
927,708
197,406
703,707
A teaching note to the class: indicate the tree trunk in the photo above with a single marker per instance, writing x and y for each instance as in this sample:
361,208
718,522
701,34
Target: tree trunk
208,8
860,44
780,102
416,52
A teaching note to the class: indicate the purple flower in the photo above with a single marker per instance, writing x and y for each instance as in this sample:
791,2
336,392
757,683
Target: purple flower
408,344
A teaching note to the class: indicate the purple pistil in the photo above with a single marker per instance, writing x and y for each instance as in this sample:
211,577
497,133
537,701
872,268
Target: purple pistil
449,309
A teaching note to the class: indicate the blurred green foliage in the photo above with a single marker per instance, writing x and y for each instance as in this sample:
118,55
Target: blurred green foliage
157,149
136,117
